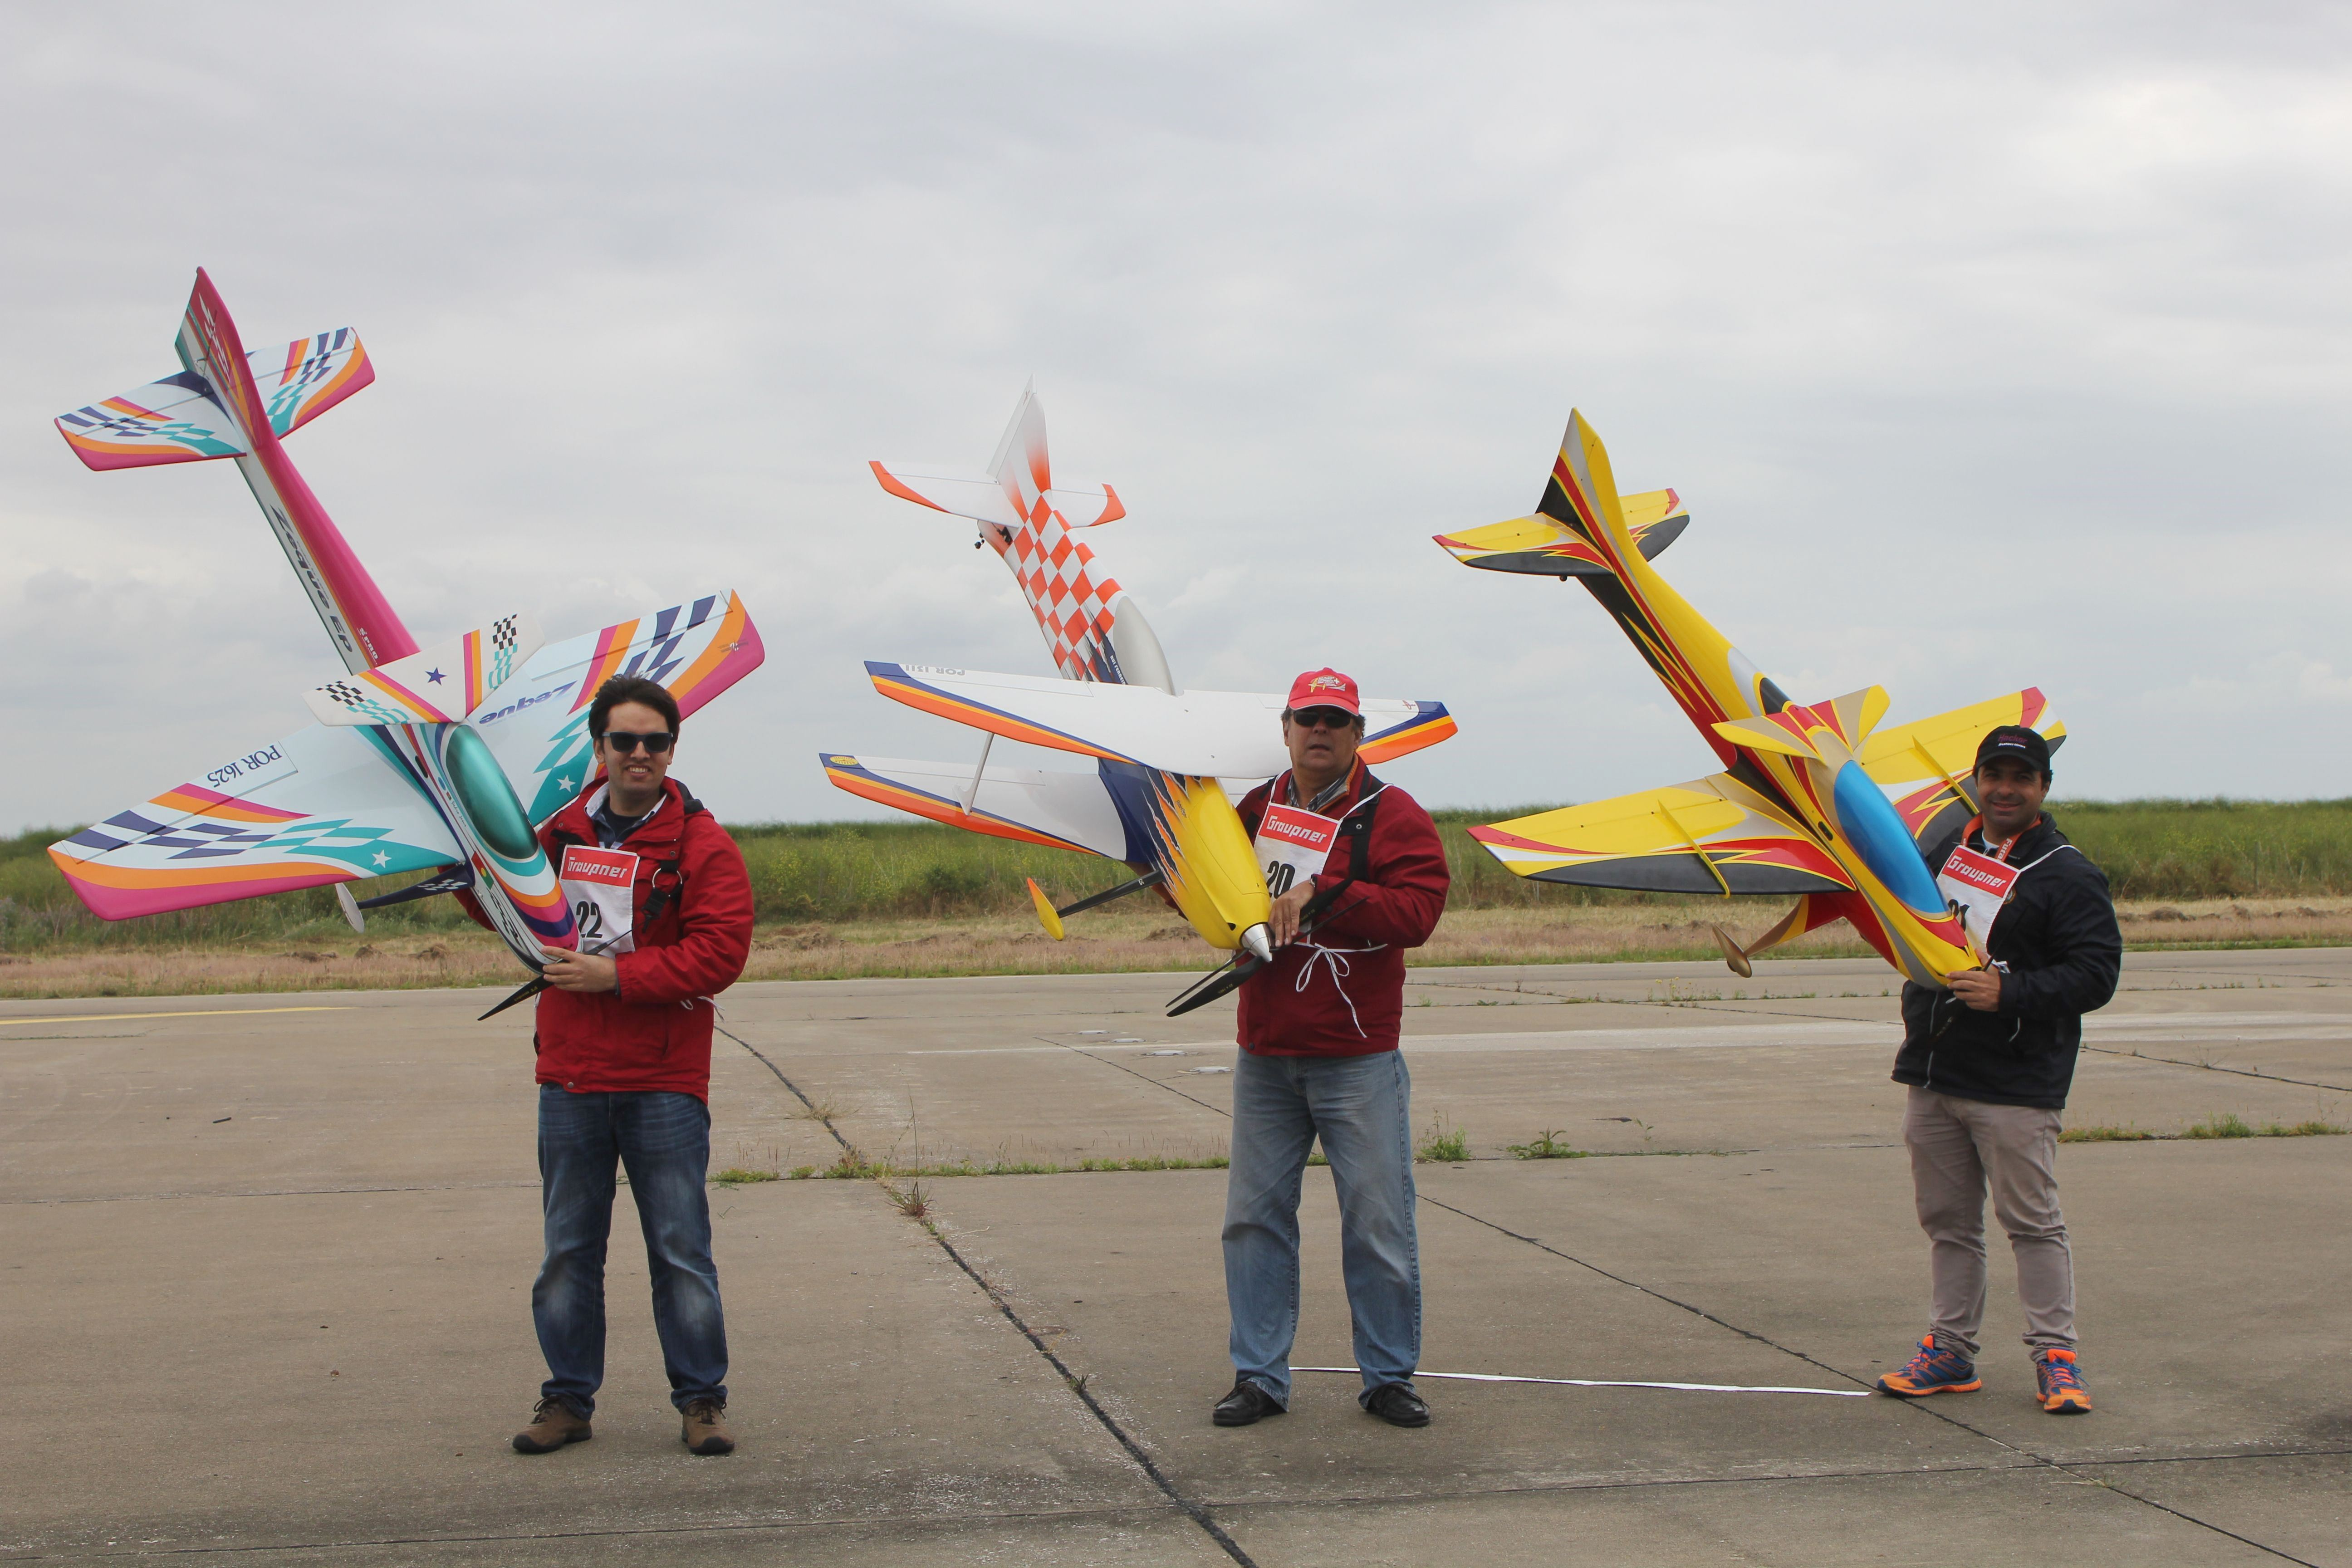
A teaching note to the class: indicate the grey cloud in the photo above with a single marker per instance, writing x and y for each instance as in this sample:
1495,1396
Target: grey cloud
1990,348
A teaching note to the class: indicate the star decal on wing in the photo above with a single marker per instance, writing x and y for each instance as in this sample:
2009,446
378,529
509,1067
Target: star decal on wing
434,676
381,859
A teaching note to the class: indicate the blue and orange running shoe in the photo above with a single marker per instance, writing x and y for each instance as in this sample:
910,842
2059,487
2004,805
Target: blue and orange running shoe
1932,1371
2063,1392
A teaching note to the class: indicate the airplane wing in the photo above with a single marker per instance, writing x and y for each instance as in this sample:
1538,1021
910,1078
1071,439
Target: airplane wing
1925,766
1710,836
537,722
322,805
1229,735
1059,810
1540,547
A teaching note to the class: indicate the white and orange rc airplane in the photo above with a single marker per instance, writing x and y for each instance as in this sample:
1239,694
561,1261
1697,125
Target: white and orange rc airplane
1168,763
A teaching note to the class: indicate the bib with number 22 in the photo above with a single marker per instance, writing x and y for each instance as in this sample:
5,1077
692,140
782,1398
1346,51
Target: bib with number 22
601,886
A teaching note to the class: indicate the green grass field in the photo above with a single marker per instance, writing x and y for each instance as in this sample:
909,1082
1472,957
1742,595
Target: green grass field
854,871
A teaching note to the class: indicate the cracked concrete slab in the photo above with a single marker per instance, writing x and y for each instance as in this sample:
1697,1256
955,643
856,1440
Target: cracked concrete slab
893,1412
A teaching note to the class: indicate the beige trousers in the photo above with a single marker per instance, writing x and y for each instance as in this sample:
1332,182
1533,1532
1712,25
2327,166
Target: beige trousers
1958,1148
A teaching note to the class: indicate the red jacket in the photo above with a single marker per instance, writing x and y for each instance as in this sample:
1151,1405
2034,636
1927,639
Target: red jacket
654,1032
1394,905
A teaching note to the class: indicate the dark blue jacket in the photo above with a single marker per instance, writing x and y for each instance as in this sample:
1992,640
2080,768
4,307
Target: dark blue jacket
2058,935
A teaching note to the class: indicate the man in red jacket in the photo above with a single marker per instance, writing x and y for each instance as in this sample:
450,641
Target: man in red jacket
1358,876
664,907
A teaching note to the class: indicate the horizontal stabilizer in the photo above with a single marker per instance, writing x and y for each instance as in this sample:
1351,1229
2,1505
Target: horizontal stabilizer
175,420
1059,810
1226,734
1925,766
1710,836
984,500
441,685
303,379
1540,547
180,419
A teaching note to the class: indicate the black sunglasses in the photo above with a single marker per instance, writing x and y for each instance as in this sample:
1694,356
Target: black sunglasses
622,741
1323,718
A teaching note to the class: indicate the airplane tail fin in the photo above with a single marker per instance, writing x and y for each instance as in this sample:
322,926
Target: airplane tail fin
191,417
1091,625
225,403
1581,526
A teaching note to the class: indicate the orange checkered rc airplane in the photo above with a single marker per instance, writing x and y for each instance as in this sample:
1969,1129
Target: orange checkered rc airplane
1168,763
1813,800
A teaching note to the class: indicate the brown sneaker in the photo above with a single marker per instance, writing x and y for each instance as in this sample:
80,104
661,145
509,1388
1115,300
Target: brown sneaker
552,1425
705,1428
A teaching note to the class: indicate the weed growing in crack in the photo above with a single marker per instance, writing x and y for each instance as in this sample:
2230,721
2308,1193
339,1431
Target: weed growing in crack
1546,1145
1442,1145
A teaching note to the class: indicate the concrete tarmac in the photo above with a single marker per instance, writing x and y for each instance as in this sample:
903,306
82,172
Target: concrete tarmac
265,1270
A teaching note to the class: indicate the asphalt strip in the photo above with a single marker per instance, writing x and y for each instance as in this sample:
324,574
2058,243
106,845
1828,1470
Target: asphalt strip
1604,1383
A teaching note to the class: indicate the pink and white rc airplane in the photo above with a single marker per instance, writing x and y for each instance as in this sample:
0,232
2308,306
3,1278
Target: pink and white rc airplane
1168,763
415,762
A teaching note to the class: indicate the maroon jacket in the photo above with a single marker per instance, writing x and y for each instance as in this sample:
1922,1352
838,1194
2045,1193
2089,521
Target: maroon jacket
1394,905
654,1032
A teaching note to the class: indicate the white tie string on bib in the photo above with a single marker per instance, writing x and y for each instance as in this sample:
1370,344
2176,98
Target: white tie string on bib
1316,951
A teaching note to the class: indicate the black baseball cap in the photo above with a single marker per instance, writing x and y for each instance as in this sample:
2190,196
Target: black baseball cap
2015,741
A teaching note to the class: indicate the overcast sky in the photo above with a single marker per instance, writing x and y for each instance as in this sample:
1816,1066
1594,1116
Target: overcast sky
1990,345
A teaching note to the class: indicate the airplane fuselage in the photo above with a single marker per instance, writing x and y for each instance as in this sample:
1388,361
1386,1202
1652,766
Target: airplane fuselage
1802,758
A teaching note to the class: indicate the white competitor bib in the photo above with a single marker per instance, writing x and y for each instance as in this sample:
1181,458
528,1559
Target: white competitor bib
1293,845
1980,884
601,886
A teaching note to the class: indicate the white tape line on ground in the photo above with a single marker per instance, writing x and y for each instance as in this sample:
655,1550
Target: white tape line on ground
1603,1383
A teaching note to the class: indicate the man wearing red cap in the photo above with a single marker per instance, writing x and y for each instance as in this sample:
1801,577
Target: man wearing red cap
1357,876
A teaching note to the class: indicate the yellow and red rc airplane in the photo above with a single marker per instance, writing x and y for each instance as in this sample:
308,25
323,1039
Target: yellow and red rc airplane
1813,799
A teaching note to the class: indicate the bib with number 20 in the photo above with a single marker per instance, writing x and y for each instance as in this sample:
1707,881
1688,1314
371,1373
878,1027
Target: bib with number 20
1293,844
601,886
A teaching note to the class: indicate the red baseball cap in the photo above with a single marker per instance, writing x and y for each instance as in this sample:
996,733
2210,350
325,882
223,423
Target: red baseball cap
1325,688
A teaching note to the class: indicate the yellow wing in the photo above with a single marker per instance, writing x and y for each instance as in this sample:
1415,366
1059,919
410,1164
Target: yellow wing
1925,766
1710,836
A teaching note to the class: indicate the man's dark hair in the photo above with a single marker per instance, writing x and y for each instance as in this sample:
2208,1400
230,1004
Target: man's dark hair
630,689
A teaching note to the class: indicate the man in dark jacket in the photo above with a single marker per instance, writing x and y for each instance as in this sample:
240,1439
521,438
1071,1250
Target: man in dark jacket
664,908
1358,865
1988,1062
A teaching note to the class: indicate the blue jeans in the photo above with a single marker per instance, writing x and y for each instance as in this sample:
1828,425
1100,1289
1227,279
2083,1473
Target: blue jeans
1362,1109
664,1139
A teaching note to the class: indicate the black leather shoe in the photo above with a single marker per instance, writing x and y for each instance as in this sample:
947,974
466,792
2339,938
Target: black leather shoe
1249,1402
1396,1404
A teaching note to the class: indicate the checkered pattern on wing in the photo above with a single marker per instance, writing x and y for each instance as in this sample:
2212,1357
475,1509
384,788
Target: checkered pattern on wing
1071,601
359,699
503,639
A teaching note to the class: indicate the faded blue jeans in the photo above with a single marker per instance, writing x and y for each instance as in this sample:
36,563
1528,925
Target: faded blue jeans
1362,1109
663,1140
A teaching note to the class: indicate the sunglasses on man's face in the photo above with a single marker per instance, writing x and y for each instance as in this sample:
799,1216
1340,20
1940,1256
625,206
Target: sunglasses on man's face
624,742
1324,718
